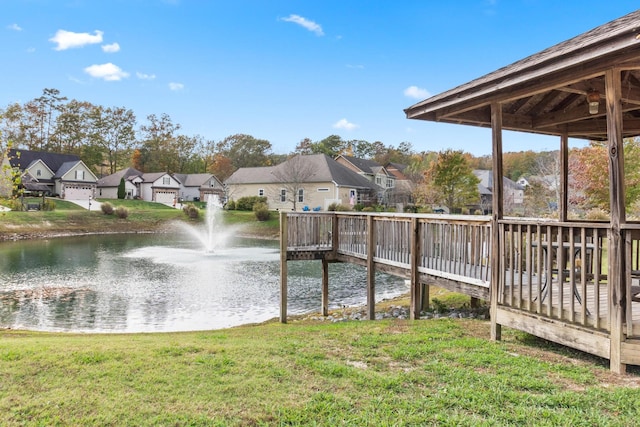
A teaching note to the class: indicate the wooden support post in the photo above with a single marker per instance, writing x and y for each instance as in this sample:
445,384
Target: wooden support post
497,206
564,177
617,278
371,270
283,266
416,291
325,287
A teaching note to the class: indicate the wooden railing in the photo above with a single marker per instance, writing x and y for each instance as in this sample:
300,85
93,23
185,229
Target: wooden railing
549,269
452,247
555,269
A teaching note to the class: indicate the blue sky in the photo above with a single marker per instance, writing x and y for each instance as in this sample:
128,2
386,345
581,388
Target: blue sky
284,70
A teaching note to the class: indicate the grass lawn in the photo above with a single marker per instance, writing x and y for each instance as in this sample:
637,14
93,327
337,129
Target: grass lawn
362,373
68,217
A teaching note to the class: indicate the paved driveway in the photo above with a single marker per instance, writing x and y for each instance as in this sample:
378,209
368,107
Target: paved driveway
95,205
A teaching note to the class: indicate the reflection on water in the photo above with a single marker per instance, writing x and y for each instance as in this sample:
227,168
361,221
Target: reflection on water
165,282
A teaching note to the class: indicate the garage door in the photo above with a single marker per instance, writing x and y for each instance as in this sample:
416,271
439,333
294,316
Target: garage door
165,196
78,192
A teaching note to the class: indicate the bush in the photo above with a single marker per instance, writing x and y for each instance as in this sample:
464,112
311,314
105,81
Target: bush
122,212
411,209
369,209
191,211
358,207
107,208
247,203
337,207
261,210
231,205
49,205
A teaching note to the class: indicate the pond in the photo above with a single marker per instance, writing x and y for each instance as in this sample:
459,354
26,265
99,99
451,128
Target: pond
162,283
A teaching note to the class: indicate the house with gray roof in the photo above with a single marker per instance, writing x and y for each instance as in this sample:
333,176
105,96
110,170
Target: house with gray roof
108,185
64,175
199,186
303,182
513,192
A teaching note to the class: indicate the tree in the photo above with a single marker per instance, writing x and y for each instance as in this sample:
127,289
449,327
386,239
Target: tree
112,131
292,176
158,148
245,151
450,180
222,167
122,192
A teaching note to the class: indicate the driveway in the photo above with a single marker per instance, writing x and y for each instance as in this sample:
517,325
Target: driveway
95,205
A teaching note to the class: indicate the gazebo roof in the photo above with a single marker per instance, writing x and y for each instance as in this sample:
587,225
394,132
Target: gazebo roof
546,92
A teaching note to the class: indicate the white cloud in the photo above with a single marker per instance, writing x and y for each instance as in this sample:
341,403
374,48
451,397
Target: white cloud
176,86
345,124
416,92
143,76
68,39
108,72
14,27
304,22
111,48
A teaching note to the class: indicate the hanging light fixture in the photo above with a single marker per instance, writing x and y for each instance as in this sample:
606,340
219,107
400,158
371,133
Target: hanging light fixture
593,98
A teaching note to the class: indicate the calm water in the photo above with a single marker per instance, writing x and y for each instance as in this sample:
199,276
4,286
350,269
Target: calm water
163,282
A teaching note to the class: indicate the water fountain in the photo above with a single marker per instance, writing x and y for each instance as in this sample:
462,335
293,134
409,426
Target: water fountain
213,235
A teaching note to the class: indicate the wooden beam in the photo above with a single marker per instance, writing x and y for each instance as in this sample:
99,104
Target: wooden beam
497,214
617,280
371,269
283,267
564,177
416,291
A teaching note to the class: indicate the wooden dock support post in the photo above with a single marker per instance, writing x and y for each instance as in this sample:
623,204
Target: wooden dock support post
416,289
371,271
283,266
325,287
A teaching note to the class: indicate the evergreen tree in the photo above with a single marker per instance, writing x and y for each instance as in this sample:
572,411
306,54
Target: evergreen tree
121,190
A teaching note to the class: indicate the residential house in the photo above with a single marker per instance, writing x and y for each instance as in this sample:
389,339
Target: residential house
373,171
513,193
198,186
64,175
159,187
303,182
404,187
108,185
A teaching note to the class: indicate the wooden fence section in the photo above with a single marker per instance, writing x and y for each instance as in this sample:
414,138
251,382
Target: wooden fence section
555,278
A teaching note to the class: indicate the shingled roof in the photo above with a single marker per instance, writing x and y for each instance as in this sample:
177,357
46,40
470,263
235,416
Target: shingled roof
22,159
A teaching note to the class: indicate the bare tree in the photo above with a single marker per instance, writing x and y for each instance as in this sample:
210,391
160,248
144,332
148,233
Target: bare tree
292,176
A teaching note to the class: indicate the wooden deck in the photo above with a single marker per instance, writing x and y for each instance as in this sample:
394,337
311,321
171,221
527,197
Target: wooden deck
552,276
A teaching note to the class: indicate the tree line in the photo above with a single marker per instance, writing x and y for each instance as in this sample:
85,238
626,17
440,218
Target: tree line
108,139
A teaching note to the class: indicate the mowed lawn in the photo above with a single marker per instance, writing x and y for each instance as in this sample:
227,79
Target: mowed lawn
358,373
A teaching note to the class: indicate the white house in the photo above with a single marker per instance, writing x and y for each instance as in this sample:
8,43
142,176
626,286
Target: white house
64,175
159,187
108,185
198,186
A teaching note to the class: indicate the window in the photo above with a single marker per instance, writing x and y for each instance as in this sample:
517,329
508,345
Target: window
389,183
322,190
39,172
261,192
166,180
379,180
301,195
79,174
283,195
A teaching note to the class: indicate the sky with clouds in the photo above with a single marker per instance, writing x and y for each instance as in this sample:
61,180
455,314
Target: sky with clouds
284,70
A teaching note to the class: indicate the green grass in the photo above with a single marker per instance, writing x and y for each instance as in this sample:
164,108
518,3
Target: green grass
143,216
382,373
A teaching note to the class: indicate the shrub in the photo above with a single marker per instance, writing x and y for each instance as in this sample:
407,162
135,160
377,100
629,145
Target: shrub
231,205
191,211
411,209
337,207
358,207
49,205
261,210
247,203
107,208
122,212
